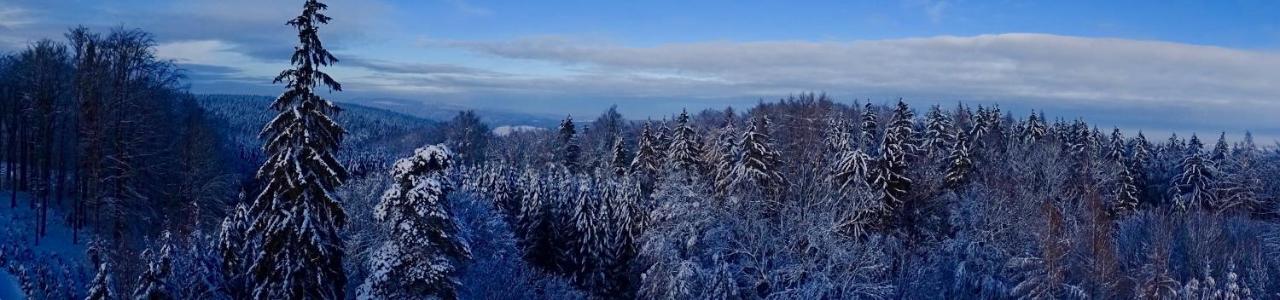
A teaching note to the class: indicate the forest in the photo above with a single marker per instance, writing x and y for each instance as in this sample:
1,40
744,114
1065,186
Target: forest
122,184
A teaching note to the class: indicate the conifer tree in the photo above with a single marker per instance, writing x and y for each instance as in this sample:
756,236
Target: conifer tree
620,161
231,246
759,164
570,151
891,170
869,124
726,158
959,163
685,152
646,163
1036,128
154,283
102,286
938,135
535,225
1220,149
1193,186
423,250
1126,193
296,217
1116,148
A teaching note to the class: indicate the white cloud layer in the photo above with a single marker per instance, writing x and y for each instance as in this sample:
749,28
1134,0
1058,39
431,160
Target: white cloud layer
1003,66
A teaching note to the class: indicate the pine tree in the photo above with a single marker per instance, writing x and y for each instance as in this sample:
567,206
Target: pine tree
296,217
759,164
102,286
620,161
569,149
959,163
1126,193
685,152
154,282
1194,185
423,250
1116,148
852,169
727,149
231,245
890,175
535,225
869,132
647,161
938,135
1220,149
1036,128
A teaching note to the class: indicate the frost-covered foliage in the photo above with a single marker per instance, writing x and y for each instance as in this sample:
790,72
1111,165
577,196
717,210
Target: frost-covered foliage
296,216
423,250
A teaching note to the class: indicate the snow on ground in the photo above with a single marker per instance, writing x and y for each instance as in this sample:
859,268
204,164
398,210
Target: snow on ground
17,244
10,288
506,130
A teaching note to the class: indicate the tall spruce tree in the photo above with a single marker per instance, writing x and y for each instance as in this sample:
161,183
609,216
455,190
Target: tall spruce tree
938,135
727,150
620,162
423,251
869,125
891,170
685,153
959,163
570,151
759,165
1193,186
1220,149
297,217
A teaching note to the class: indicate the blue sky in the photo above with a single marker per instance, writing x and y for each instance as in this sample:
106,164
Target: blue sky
1158,66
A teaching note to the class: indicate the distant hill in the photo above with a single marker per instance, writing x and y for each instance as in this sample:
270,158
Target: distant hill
444,111
375,136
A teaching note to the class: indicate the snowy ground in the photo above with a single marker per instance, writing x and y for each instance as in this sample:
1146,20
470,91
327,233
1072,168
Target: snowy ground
19,247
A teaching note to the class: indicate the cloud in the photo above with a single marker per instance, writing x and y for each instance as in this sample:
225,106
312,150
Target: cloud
1230,88
13,17
378,65
985,66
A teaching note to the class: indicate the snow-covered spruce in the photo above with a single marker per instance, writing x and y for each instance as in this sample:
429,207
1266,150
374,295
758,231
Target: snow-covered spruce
296,217
685,152
423,250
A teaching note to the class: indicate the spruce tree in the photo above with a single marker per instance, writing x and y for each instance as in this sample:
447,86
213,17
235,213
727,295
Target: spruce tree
296,217
620,162
869,132
1220,149
534,223
1193,186
959,164
727,155
1126,194
685,153
423,250
1116,148
891,169
102,286
231,246
938,136
646,163
759,165
570,151
1036,128
154,283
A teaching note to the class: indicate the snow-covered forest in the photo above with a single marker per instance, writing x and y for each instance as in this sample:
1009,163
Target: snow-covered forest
118,183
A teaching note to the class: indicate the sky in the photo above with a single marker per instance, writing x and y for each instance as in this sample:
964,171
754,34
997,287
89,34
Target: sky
1159,66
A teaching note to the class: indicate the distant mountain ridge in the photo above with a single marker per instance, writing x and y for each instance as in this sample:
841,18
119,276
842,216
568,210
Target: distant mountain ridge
441,111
